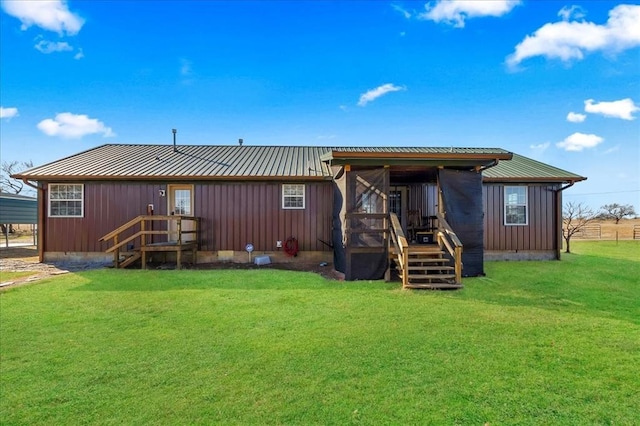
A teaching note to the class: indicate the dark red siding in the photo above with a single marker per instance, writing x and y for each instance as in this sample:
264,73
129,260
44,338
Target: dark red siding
539,234
232,215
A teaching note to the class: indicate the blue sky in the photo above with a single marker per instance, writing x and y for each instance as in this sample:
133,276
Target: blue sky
555,81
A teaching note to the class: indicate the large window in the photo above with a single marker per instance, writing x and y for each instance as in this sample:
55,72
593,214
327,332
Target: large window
292,196
515,205
66,200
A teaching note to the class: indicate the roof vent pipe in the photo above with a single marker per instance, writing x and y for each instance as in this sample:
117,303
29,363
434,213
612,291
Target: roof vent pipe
174,139
240,141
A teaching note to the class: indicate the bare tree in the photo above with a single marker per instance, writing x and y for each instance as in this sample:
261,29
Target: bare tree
9,184
575,217
617,211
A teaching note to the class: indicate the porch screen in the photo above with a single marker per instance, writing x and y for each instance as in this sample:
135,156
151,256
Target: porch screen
462,203
366,224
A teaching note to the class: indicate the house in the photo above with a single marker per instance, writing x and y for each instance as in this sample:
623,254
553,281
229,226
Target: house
356,206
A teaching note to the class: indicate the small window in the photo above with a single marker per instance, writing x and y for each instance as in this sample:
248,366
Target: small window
66,200
515,205
293,196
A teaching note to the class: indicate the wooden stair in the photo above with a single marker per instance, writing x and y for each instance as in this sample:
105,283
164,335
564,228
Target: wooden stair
428,268
130,259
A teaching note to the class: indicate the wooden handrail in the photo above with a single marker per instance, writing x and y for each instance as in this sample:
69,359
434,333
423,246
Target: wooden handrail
402,247
448,238
121,228
134,236
143,232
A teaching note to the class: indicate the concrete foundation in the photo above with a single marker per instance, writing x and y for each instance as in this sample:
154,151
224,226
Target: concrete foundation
230,256
520,255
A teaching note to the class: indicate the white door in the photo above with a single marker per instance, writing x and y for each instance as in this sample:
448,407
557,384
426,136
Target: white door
181,204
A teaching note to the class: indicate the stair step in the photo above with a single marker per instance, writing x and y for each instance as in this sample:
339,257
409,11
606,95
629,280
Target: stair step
434,286
429,260
431,277
431,268
129,260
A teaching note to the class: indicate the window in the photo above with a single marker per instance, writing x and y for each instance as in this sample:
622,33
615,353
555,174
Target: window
515,205
66,200
292,196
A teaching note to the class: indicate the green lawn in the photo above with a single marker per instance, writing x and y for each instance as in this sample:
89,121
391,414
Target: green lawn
530,343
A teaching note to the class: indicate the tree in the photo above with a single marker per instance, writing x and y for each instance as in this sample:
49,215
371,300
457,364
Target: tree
9,184
575,217
617,212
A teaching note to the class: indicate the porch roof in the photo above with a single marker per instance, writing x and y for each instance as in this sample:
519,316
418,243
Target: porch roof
416,156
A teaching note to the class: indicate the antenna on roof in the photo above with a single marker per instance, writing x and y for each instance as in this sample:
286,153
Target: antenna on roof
240,141
174,131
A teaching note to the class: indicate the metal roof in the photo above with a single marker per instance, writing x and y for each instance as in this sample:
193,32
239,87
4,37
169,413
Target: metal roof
525,169
18,209
188,161
226,162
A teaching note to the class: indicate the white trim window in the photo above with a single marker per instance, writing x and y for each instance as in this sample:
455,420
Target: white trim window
516,206
66,200
293,196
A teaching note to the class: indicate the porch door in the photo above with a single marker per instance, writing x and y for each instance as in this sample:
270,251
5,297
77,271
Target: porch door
398,204
181,203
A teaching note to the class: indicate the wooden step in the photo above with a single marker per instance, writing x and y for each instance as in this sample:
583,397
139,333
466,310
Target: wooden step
431,277
431,268
434,286
428,260
129,260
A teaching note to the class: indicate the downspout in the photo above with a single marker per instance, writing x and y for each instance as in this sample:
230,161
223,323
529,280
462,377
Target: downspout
41,213
558,221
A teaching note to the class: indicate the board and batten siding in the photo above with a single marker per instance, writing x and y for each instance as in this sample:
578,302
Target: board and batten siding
235,214
538,235
232,215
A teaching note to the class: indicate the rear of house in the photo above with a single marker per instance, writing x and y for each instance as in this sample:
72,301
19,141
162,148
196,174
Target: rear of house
333,204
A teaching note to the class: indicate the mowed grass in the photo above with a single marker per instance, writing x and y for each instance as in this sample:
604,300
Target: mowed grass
530,343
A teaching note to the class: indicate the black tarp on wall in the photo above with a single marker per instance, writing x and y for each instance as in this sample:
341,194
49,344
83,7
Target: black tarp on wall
462,203
359,220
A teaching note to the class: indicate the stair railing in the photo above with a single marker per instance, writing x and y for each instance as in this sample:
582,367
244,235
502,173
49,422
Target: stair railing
448,239
143,232
399,242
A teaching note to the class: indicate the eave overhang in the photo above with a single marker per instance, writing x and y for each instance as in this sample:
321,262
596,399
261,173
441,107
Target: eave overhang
432,159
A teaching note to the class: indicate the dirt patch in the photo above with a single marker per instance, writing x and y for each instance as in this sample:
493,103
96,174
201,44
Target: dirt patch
25,259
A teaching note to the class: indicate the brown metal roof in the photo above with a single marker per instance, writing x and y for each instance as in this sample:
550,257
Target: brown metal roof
188,162
122,161
523,169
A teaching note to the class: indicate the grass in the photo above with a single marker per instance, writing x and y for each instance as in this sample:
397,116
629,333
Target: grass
531,343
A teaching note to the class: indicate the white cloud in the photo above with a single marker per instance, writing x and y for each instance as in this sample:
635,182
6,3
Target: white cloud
571,40
540,147
185,67
51,15
623,108
575,117
8,113
401,10
571,12
46,46
374,94
79,55
454,12
579,141
73,126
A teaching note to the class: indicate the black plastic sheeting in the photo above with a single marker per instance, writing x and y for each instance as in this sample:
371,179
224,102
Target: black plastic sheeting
360,256
462,202
339,254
